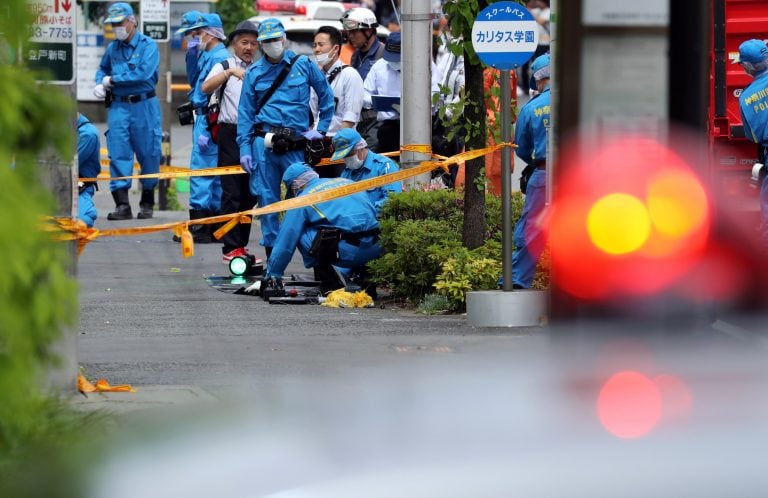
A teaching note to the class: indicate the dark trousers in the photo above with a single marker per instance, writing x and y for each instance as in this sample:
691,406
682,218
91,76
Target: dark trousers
236,192
389,136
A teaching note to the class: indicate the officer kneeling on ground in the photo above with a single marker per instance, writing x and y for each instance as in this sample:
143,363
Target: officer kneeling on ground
336,238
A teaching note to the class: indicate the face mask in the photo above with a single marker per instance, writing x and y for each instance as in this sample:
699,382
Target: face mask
121,33
273,50
353,162
394,65
193,42
323,59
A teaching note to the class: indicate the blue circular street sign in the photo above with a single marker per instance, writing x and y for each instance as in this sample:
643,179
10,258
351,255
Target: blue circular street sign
505,35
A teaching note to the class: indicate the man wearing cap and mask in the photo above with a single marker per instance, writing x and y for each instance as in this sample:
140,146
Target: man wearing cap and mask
205,191
236,193
336,238
273,117
192,23
346,83
753,103
362,164
533,123
385,79
128,75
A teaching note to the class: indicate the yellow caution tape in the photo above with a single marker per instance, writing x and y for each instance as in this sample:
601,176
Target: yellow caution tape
101,386
175,172
78,231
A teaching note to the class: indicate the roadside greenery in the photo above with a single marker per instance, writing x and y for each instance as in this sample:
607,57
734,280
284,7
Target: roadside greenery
232,12
38,432
423,254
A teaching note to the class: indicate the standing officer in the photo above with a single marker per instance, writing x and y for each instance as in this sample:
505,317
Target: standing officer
192,23
385,79
346,83
273,117
533,122
359,27
205,191
753,103
334,237
88,166
128,73
362,164
236,192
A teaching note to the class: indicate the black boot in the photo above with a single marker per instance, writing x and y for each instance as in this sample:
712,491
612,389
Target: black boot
123,207
146,204
329,278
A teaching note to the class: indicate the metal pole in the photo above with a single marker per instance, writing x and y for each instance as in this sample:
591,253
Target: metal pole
165,96
554,92
416,95
506,182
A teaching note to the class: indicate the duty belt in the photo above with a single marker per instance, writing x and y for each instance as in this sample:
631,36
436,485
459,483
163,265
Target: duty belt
355,238
540,164
277,130
132,99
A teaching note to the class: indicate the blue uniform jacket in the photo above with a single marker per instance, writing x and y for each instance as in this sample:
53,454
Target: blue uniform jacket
132,66
88,149
191,59
351,214
531,128
375,165
364,62
289,105
753,104
207,60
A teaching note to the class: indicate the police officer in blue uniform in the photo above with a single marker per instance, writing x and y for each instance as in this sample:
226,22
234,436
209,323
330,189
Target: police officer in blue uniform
753,103
205,191
128,73
362,164
192,23
531,128
89,166
336,238
275,130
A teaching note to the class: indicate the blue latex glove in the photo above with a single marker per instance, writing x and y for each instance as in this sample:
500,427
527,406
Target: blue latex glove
312,135
246,162
202,142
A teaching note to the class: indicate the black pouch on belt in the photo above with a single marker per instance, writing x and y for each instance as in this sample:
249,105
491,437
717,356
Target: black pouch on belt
108,98
525,175
186,114
325,247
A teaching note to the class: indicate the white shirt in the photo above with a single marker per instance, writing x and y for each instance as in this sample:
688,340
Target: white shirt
231,97
347,89
385,81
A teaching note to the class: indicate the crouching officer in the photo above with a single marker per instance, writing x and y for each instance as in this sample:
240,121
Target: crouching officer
89,166
127,77
362,164
336,238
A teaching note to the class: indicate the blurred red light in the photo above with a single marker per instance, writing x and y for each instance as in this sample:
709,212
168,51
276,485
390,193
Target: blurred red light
629,405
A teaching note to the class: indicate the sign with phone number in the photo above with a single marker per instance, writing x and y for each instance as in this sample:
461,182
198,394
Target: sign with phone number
51,45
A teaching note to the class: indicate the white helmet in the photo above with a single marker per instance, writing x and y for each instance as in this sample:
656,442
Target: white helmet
358,18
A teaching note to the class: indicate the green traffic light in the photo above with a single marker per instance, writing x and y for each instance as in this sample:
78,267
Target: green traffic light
239,266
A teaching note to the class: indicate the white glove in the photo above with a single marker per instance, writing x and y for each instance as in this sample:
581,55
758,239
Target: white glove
107,82
99,92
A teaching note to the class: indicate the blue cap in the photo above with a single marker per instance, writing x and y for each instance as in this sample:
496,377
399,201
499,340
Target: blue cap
752,51
191,20
392,48
294,171
213,21
270,28
343,142
118,12
539,70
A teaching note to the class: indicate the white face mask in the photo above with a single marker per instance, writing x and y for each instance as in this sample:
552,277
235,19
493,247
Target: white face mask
273,50
121,33
353,162
323,59
394,65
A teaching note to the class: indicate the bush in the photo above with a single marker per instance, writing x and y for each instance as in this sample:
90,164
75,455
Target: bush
421,234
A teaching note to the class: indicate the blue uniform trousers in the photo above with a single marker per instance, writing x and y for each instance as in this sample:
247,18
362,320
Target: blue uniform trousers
204,191
529,238
134,128
268,172
85,207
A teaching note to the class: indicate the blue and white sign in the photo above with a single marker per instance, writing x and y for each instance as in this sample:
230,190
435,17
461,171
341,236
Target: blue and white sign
505,35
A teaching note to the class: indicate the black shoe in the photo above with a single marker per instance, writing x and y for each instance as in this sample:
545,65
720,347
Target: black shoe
146,205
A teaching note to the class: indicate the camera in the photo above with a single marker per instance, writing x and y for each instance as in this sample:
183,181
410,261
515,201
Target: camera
186,114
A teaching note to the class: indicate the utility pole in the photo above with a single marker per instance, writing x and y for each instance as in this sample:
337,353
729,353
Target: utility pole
165,95
416,100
